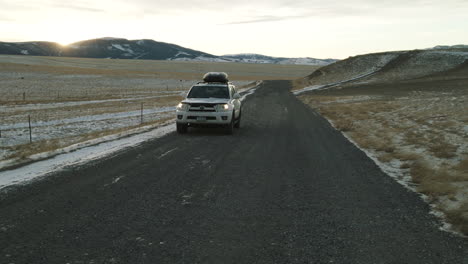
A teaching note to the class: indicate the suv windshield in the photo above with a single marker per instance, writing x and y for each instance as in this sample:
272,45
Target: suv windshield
205,91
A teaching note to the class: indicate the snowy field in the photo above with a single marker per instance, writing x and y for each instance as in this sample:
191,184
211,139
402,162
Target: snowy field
69,105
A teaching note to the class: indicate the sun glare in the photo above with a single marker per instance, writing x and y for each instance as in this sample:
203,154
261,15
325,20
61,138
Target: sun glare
65,41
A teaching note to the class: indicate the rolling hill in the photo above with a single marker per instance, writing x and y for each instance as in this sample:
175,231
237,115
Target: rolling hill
387,67
146,49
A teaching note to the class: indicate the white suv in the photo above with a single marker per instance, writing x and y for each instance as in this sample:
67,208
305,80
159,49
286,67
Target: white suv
213,102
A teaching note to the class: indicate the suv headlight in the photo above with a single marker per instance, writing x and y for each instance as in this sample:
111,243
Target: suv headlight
222,107
182,107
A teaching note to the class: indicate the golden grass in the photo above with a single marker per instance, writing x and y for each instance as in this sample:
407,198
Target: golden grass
152,68
344,125
459,218
100,108
406,156
442,149
462,166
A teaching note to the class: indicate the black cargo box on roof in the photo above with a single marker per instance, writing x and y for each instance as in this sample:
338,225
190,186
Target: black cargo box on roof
216,77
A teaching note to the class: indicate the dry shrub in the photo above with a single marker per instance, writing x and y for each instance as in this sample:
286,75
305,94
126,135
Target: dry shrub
406,156
332,115
361,139
385,146
443,150
435,189
420,171
446,124
459,218
462,166
405,165
344,125
433,182
385,157
298,84
413,138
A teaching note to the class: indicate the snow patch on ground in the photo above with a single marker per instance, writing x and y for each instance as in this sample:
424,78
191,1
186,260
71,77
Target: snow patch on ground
249,90
128,50
182,53
200,58
324,86
309,88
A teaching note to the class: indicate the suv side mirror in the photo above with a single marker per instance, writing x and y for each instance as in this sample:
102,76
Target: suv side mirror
236,96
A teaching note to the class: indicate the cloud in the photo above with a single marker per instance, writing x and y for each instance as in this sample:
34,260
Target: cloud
43,5
77,7
5,19
263,19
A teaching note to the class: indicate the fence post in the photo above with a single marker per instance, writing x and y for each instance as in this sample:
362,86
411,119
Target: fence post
141,115
30,130
24,96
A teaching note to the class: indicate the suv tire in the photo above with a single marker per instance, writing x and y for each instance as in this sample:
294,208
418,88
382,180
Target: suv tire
230,126
238,121
182,128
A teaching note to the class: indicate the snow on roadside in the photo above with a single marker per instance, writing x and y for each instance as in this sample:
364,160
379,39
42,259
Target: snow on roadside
249,90
80,153
329,85
309,88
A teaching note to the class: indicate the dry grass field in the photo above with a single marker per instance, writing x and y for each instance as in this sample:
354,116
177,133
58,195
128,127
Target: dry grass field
153,69
418,130
71,100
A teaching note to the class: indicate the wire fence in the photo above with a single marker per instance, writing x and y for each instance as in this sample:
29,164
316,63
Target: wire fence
23,124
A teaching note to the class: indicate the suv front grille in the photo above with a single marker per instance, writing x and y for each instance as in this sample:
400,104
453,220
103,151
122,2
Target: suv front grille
205,105
202,108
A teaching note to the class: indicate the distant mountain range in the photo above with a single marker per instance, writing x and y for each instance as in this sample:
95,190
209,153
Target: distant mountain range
146,49
257,58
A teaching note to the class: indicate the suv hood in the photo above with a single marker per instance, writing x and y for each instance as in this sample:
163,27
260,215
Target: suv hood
205,101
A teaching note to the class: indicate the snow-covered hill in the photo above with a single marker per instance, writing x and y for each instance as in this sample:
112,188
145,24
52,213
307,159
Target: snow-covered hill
119,48
257,58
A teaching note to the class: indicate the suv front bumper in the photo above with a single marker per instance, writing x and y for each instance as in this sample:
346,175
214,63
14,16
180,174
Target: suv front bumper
201,118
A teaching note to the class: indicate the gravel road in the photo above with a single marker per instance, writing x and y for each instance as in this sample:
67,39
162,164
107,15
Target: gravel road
285,188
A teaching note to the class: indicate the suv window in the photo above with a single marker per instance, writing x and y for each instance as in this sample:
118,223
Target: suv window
205,91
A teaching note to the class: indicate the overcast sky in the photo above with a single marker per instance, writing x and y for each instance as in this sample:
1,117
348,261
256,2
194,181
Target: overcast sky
290,28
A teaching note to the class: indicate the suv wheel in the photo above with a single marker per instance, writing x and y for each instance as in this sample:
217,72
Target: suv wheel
238,121
182,128
230,126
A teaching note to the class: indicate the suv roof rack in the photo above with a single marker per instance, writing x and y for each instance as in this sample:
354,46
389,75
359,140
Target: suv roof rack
218,77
